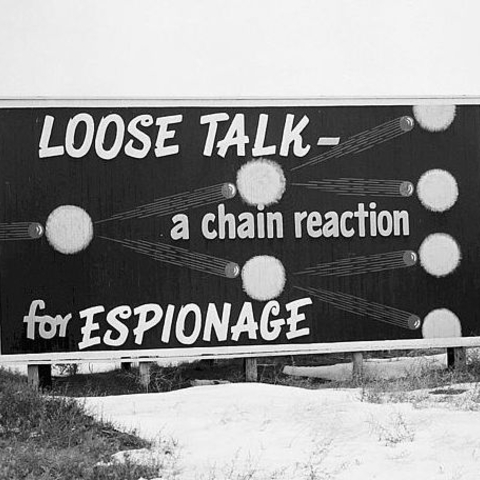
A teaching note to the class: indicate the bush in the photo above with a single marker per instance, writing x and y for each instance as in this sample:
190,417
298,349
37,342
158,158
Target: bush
46,437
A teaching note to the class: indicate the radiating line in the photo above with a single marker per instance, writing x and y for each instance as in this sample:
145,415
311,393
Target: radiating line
193,255
363,141
179,202
361,187
6,239
182,257
360,140
168,202
174,259
364,264
360,306
173,256
176,208
165,205
20,231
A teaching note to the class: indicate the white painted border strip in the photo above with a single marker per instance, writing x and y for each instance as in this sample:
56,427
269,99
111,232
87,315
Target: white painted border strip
121,102
202,353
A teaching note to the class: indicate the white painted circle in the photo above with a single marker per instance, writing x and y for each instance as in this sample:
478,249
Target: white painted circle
263,277
441,323
439,254
434,118
69,229
437,190
261,182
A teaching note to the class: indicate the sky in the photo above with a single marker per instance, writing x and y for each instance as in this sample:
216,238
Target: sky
238,48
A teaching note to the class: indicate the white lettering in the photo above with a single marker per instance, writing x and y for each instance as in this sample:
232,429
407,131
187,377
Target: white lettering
293,135
212,121
180,229
346,232
105,122
144,323
276,325
245,323
142,137
124,312
299,217
401,223
214,322
84,148
165,134
48,326
235,137
295,318
259,148
45,150
89,327
183,314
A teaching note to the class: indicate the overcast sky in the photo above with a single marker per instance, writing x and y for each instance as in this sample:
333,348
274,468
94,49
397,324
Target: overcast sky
160,48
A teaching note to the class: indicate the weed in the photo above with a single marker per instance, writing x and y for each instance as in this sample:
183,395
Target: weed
314,468
66,369
115,382
396,430
164,379
415,385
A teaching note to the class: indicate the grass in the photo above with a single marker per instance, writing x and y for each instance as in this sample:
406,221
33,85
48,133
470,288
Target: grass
424,382
50,436
47,437
116,382
164,379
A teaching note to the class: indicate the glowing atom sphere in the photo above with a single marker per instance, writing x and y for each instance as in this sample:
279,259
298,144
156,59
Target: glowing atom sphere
261,182
434,118
441,323
69,229
263,277
439,254
437,190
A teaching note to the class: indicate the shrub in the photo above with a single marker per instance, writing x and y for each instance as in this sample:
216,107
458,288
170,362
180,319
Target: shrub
49,437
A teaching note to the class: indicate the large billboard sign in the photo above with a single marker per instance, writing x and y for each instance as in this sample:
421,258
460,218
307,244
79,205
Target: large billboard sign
161,229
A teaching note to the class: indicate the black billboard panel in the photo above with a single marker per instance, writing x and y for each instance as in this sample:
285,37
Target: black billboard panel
249,228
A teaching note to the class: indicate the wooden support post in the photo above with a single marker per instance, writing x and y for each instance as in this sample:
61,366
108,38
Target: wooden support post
40,376
251,371
144,371
33,376
357,367
457,358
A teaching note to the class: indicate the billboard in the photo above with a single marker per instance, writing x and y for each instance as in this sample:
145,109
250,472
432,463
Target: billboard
213,228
